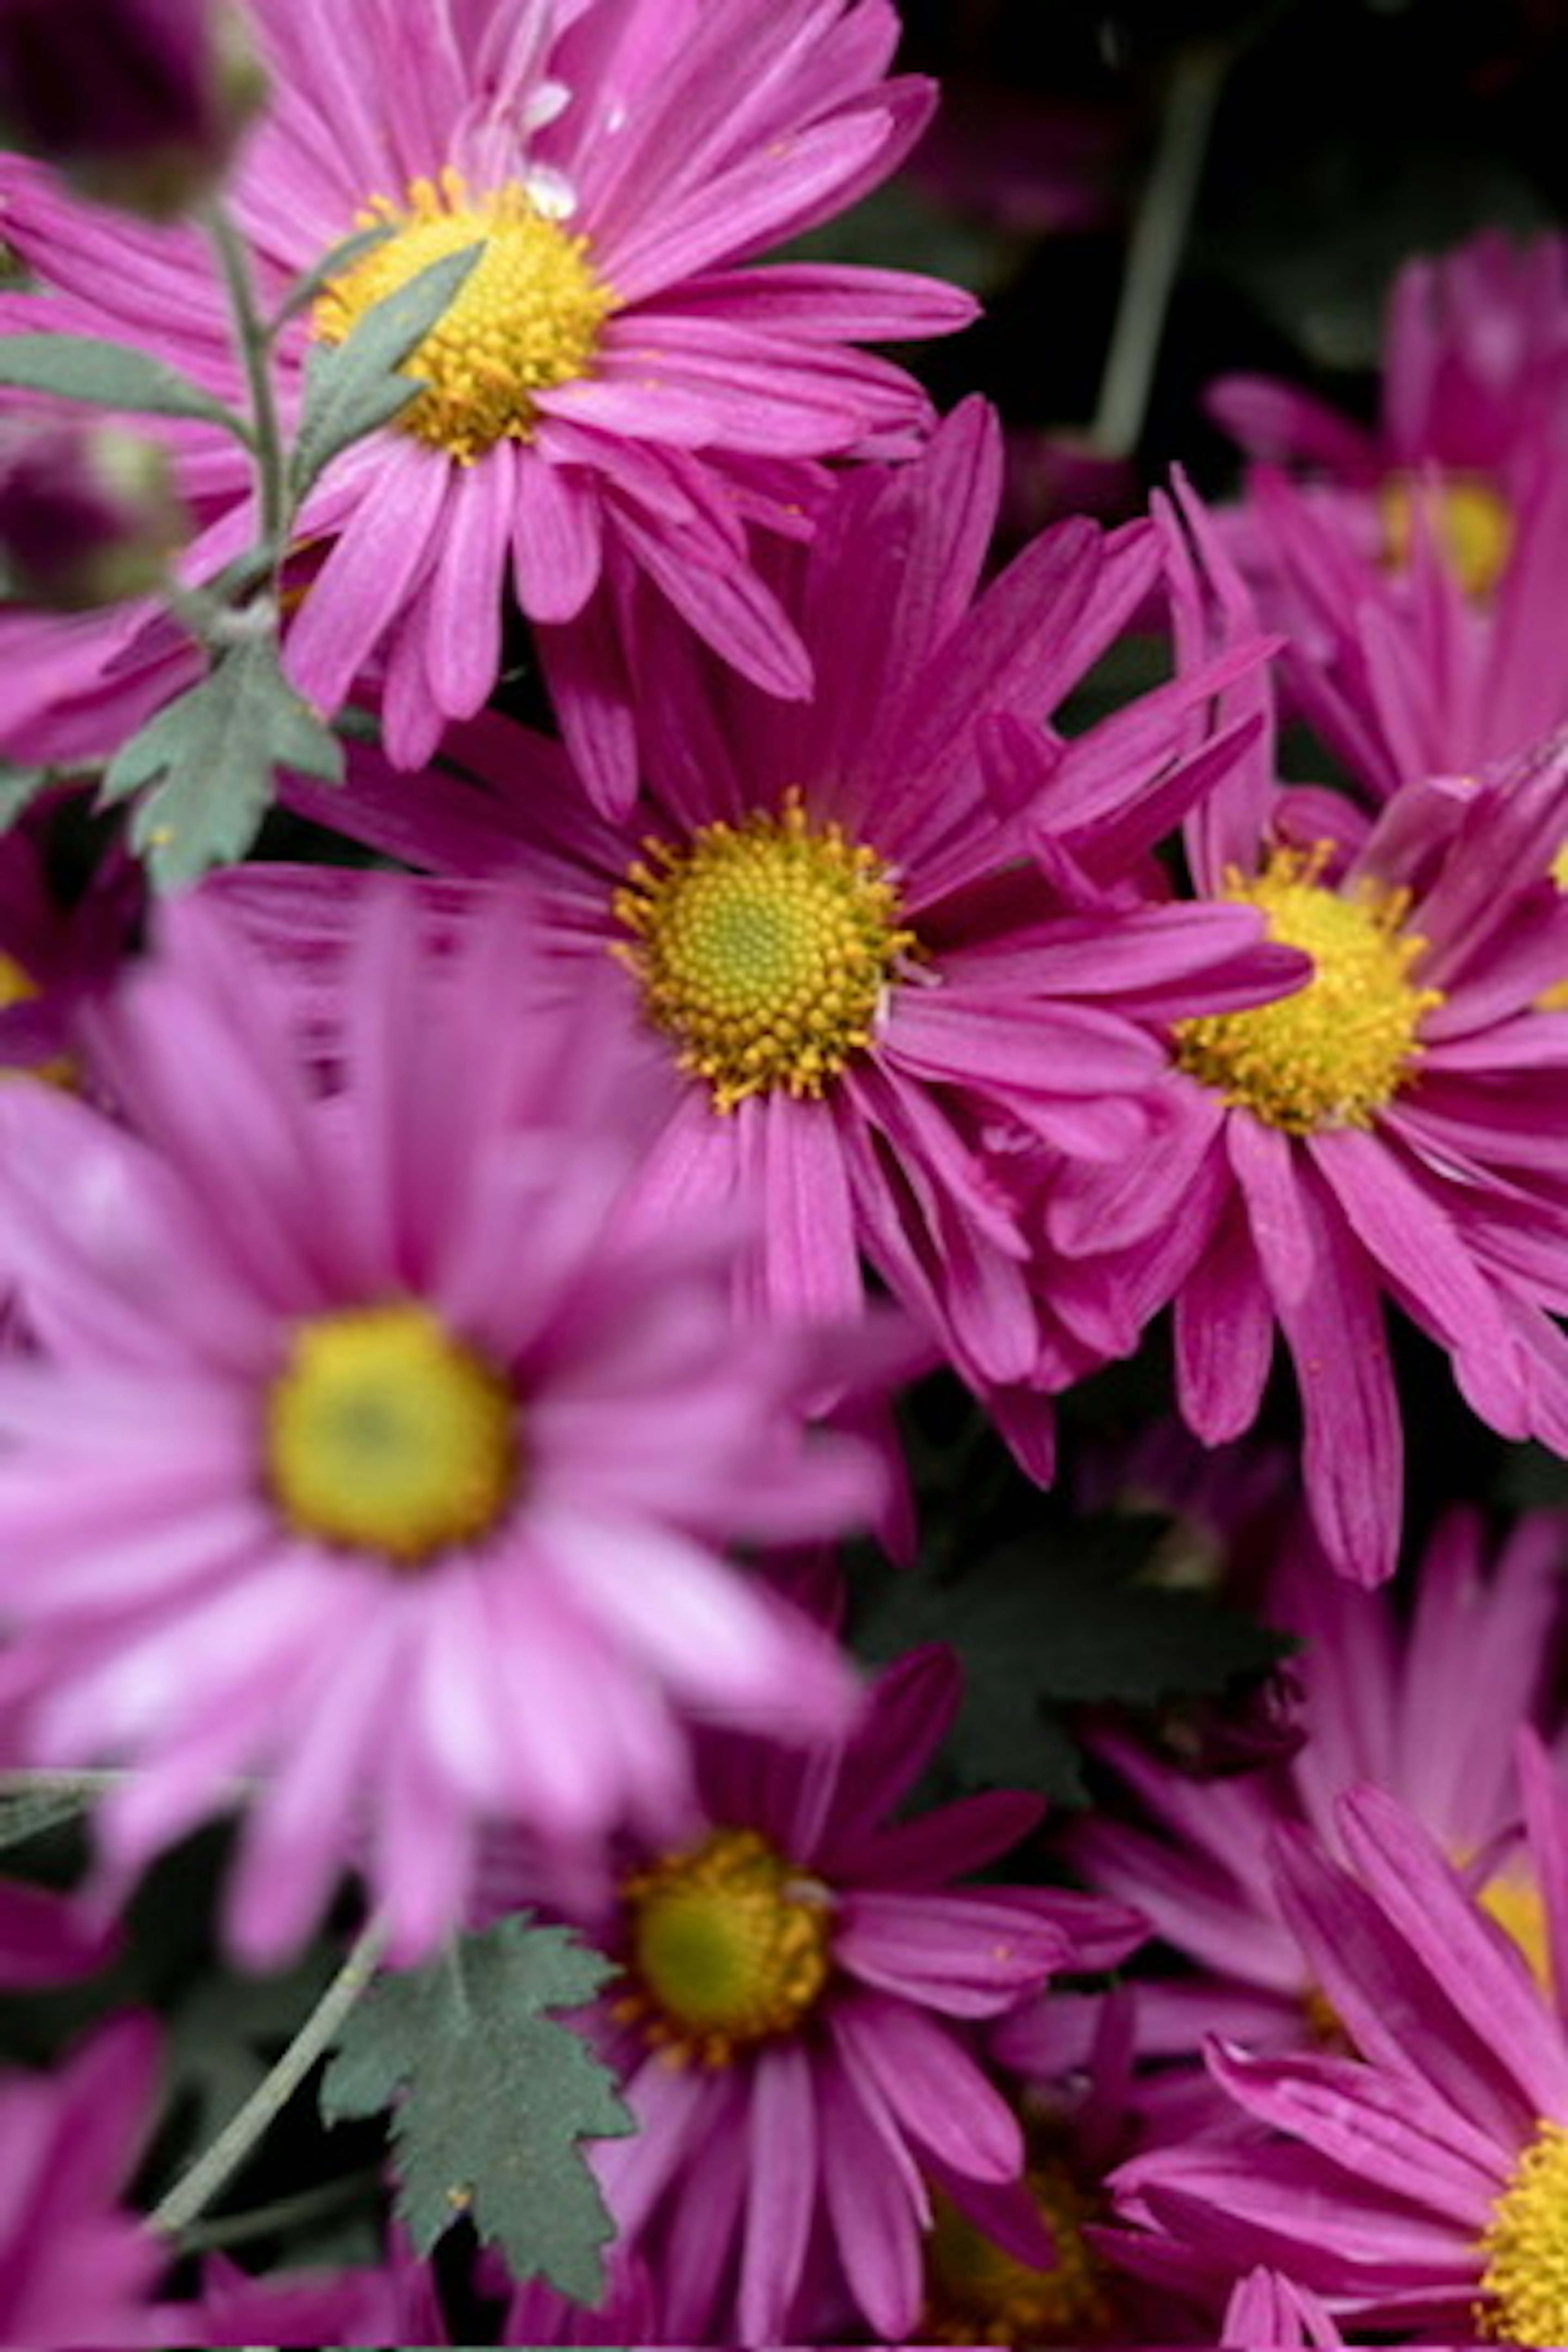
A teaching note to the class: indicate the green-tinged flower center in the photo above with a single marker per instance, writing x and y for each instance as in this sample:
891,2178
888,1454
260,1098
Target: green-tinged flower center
386,1434
977,2292
527,317
1524,2286
763,950
729,1944
1471,523
1340,1047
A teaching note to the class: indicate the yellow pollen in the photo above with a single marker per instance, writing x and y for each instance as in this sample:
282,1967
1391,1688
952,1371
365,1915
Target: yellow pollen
527,317
977,2292
386,1434
729,1944
763,950
1340,1046
1471,524
1524,2287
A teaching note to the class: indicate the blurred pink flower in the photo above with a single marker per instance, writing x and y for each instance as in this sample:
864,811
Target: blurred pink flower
381,1402
76,2266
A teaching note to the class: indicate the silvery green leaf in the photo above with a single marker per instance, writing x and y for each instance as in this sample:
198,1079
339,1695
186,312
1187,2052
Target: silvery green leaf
110,375
19,787
353,386
204,767
332,264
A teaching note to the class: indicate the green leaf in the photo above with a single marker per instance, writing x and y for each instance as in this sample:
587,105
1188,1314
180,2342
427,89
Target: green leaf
110,375
19,787
493,2097
353,386
1035,1632
337,258
204,764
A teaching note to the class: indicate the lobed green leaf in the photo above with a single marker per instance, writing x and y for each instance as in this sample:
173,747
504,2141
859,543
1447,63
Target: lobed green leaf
204,767
491,2097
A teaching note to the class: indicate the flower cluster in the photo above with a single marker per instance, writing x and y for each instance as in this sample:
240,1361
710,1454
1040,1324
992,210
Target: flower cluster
538,1311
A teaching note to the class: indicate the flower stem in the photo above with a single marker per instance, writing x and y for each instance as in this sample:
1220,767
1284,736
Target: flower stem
282,2216
254,342
1155,251
195,2189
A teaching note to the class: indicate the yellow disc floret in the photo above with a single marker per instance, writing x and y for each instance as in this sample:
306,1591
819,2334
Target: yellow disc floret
1555,998
385,1434
977,2292
1514,1901
763,950
526,318
1524,2287
729,1944
1471,524
1340,1046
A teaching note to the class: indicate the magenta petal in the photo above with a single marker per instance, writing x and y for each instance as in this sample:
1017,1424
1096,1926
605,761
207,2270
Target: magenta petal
373,568
936,2092
781,2191
1393,2129
876,2224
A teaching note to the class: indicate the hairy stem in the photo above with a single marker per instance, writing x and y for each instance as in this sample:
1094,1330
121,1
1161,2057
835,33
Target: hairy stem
254,342
1154,250
197,2189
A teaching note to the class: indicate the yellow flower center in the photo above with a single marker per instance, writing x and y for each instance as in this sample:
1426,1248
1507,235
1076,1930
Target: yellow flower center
729,1945
386,1434
1340,1046
1514,1902
528,315
1524,2286
17,986
1555,998
763,950
977,2292
1472,525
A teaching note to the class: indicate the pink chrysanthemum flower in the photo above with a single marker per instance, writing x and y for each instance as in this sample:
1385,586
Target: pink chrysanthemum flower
615,390
827,918
1420,2185
1475,370
794,2029
382,1403
76,2266
1416,570
1386,1132
1477,1657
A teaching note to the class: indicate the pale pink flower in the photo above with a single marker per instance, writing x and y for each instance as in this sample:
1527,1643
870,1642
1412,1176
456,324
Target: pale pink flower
372,1466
